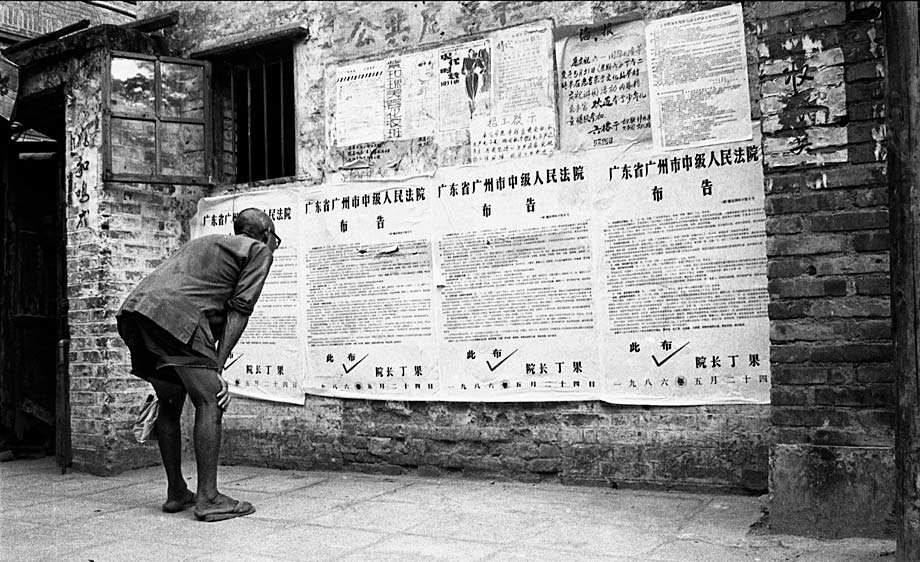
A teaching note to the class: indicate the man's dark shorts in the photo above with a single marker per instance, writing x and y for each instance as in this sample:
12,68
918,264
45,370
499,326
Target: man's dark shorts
155,352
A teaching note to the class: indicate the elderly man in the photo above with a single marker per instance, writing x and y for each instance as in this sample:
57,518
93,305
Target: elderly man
170,322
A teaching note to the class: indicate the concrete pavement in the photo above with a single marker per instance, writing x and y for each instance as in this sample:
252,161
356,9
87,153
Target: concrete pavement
348,517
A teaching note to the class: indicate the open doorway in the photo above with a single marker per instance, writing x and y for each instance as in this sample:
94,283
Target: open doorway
34,394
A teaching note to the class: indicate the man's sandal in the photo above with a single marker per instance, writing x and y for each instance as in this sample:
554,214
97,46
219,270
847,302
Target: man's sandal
223,512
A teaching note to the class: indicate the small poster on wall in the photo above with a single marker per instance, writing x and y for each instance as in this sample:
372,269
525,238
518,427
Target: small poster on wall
523,119
698,79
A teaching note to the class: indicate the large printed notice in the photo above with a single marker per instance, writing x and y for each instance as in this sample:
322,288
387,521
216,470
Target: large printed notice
698,79
369,291
682,277
624,276
515,282
267,361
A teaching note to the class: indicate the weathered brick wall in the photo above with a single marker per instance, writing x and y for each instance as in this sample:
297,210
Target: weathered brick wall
116,233
822,76
584,442
96,382
823,84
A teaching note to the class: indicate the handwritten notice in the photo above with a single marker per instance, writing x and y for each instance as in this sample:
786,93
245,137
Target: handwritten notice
698,79
603,82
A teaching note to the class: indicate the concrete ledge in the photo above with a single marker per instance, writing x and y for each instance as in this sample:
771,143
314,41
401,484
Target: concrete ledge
832,491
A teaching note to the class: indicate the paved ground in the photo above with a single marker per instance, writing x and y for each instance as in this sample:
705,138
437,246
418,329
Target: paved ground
47,516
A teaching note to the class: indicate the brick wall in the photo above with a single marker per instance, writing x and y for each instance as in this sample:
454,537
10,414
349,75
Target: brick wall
116,233
822,80
579,442
817,76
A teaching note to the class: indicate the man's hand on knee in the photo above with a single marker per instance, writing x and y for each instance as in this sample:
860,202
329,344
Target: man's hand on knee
223,395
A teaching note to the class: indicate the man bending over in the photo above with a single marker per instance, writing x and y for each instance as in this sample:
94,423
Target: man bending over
181,322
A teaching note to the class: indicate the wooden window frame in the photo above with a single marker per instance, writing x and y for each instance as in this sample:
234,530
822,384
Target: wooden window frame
108,114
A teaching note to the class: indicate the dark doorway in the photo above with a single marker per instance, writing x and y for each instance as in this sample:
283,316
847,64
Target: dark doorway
34,407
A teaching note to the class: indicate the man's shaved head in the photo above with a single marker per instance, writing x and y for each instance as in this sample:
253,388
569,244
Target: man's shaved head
253,223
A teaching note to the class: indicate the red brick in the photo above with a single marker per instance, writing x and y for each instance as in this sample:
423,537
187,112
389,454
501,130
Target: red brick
849,264
880,373
849,438
794,374
790,396
843,352
871,198
789,267
810,417
854,220
860,51
865,70
807,287
849,175
784,225
807,244
867,152
851,307
874,330
872,395
866,110
788,309
871,241
873,285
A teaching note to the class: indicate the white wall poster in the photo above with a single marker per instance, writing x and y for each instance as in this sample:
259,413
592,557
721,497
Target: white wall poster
369,291
698,80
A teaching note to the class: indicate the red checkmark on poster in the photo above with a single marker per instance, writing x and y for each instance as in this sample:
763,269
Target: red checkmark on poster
349,369
662,362
497,365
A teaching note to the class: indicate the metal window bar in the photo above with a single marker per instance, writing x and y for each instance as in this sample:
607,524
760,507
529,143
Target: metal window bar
249,123
281,116
275,139
265,117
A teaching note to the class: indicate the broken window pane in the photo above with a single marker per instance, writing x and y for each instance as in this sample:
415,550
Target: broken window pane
181,149
132,86
133,146
182,91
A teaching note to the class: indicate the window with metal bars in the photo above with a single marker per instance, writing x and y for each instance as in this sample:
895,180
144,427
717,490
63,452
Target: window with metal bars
261,89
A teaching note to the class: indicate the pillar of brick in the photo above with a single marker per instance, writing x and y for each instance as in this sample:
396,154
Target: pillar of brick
822,72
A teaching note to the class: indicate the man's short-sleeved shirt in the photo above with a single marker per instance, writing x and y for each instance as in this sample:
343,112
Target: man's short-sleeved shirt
197,285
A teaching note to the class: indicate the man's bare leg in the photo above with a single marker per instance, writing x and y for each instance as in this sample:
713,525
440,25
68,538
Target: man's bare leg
171,397
202,386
